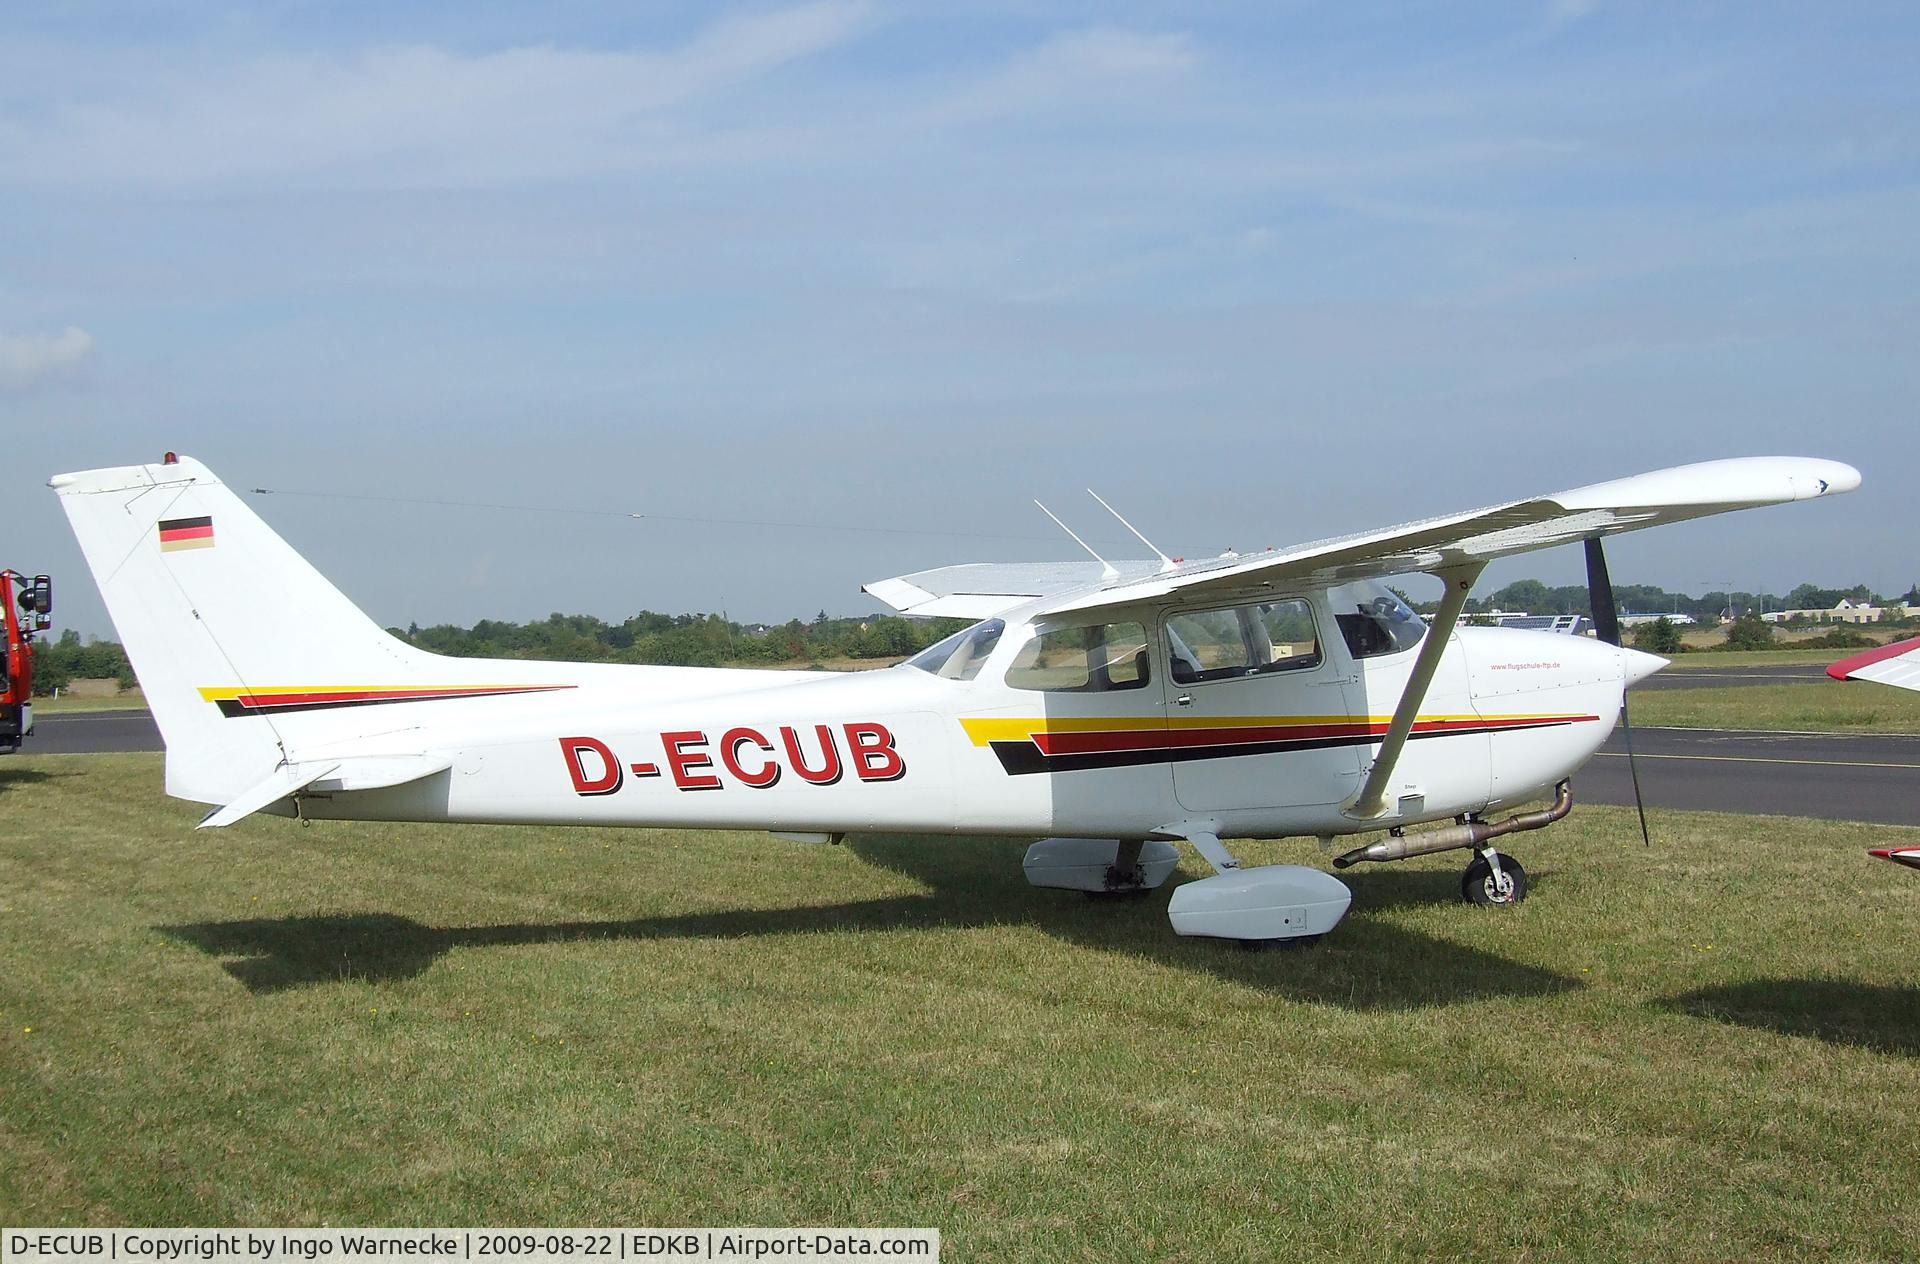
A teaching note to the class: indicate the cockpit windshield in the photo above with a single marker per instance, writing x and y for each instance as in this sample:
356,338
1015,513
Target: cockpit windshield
1373,619
961,655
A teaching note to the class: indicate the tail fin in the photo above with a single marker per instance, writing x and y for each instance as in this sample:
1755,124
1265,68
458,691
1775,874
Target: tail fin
218,613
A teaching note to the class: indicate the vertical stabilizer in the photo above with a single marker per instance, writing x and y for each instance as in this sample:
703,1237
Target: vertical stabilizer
215,610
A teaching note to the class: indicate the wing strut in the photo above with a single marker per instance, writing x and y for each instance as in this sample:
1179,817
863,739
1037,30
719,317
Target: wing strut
1371,801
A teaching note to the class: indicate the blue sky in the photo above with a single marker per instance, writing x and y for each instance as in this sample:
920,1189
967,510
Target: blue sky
1258,274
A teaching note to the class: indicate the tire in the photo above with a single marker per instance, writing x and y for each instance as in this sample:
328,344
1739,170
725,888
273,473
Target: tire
1477,885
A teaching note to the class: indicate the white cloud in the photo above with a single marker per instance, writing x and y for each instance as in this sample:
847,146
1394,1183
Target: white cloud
27,360
417,115
1108,52
1093,64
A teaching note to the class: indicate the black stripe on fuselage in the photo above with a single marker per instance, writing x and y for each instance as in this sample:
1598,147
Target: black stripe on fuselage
1021,759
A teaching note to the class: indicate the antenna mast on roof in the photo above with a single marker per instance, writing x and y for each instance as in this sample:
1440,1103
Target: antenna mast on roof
1106,567
1166,563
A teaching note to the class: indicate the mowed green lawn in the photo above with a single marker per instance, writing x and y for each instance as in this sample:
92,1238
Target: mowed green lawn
1709,1050
1818,706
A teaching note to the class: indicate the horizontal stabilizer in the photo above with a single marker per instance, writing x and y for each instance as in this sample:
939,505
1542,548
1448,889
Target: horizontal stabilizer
270,789
356,772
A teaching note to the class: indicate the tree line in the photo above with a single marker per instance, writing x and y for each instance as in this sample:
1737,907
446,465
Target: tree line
685,640
1537,598
678,640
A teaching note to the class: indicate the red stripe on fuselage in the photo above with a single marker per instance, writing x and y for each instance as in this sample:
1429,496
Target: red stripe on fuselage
325,696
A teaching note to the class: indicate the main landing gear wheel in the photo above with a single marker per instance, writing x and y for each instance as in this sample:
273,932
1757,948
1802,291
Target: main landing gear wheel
1119,893
1479,885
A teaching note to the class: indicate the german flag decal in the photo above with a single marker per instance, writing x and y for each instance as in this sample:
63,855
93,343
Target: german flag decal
274,699
1069,745
185,533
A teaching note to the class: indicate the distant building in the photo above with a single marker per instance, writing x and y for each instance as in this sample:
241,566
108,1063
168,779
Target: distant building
1638,620
1846,612
1568,623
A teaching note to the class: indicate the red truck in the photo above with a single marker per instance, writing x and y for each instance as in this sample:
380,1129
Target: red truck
34,613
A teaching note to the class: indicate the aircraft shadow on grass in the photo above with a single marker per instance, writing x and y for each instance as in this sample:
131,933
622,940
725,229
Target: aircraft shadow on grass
1838,1011
1367,963
13,777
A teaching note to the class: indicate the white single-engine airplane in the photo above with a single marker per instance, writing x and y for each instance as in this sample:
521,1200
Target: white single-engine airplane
1118,707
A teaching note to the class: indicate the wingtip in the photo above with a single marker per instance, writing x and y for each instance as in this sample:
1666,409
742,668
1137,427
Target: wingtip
1831,478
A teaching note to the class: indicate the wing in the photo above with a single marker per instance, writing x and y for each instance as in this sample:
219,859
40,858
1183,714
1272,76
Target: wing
1481,535
1897,664
981,590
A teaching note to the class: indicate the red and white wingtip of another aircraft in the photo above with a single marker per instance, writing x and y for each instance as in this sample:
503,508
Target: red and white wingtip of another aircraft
1896,664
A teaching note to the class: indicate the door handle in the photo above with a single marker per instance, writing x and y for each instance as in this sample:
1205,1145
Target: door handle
1184,700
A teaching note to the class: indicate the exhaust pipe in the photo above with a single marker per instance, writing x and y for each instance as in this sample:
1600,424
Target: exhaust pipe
1469,834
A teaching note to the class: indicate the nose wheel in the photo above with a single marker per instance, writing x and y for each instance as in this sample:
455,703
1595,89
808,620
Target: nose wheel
1494,878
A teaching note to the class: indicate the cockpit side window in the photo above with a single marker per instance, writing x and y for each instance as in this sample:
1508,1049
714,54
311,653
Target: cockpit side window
1099,658
1273,636
1373,620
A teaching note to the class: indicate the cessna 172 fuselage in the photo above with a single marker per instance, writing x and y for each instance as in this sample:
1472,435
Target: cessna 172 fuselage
1113,709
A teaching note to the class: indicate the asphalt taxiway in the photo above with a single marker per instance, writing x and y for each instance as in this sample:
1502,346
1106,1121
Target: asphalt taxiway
93,733
1836,776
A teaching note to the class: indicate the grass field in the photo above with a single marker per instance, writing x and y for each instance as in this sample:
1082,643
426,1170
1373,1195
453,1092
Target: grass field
1811,707
1710,1050
131,700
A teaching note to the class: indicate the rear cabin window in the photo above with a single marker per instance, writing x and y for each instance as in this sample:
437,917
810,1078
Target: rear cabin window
1273,636
1099,658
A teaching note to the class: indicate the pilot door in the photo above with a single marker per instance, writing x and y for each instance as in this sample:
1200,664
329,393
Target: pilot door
1084,703
1260,708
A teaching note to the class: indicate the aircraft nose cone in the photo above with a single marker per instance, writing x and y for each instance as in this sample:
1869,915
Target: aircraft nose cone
1637,665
